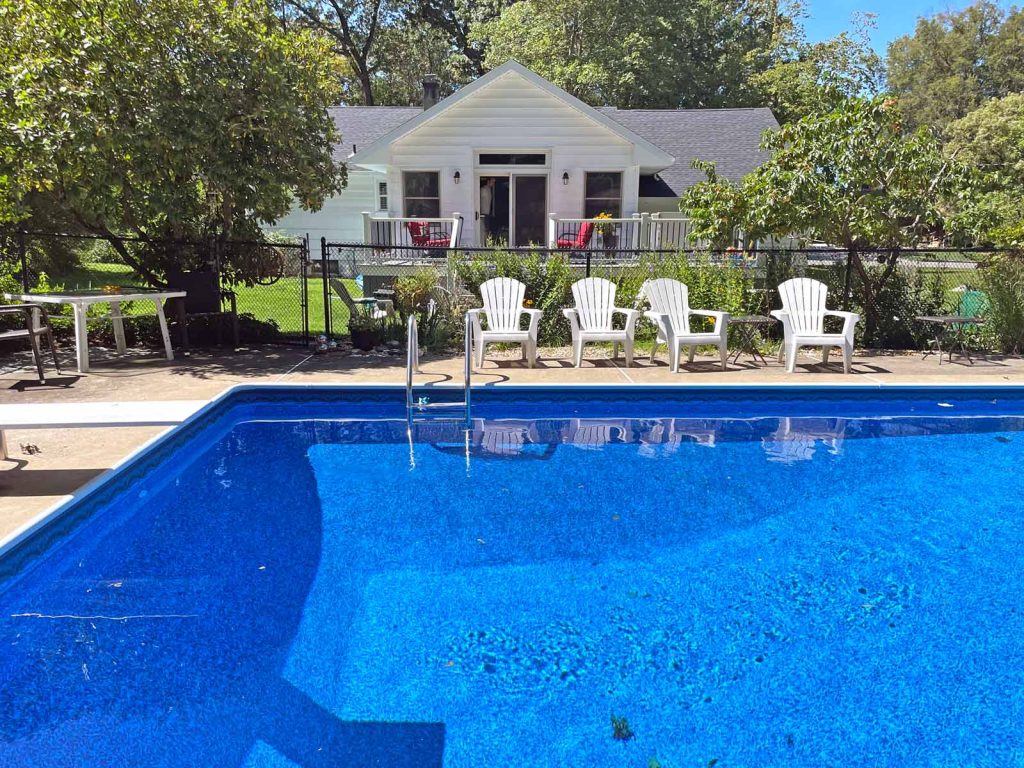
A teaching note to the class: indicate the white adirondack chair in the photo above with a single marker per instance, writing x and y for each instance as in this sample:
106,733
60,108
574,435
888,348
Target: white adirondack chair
803,316
503,309
670,311
591,318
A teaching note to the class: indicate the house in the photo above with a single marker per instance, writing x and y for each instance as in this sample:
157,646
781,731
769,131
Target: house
519,159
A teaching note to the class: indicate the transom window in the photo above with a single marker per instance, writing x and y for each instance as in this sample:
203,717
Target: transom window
603,194
422,193
512,158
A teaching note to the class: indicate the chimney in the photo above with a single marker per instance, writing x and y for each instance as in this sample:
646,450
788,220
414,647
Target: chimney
431,91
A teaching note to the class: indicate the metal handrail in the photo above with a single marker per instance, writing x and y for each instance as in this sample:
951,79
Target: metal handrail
468,354
412,361
412,365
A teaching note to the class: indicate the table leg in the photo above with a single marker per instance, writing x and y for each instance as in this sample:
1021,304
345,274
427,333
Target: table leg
163,329
118,323
81,338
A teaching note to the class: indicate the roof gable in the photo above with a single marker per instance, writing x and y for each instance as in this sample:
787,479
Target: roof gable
647,154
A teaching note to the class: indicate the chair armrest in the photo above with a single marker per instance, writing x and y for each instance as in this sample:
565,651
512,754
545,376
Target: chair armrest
849,321
535,315
573,317
631,317
721,318
662,320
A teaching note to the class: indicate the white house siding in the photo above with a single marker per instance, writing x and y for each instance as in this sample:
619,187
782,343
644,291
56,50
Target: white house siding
511,114
340,219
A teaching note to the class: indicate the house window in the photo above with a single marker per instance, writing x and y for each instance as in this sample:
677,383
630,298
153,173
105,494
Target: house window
603,194
382,195
507,158
422,194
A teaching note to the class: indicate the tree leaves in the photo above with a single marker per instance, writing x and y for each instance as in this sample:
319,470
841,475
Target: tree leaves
165,118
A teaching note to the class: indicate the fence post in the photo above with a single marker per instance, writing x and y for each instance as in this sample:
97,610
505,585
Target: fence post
847,282
366,227
304,287
326,286
23,257
552,230
588,262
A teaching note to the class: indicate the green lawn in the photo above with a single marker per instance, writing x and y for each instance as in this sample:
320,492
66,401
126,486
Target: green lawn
280,302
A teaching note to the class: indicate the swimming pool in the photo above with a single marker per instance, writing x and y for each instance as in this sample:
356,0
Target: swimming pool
739,577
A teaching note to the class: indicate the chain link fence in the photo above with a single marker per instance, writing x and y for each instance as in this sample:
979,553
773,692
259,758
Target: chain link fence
283,292
891,289
262,283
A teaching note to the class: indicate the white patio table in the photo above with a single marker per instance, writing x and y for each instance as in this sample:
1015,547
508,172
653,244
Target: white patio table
80,302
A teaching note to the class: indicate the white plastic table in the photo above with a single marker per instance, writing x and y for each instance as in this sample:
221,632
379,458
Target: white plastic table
80,302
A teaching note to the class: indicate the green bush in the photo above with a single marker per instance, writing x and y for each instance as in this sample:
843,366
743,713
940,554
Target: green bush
906,294
724,287
548,284
1003,282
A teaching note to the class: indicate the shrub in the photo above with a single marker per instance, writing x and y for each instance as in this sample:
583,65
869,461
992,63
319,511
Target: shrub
907,294
548,282
1003,282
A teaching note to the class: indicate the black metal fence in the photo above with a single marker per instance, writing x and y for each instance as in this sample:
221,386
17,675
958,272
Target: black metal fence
285,293
891,289
266,281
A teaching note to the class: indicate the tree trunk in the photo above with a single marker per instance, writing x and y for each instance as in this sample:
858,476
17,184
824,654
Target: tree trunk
365,84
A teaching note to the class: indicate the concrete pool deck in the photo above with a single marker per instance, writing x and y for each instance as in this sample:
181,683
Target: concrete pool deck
47,465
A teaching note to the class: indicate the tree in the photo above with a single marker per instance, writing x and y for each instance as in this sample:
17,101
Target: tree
815,77
954,62
455,19
850,177
991,139
644,54
413,49
354,26
164,118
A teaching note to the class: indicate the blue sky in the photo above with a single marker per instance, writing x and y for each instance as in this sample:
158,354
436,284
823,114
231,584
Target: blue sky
894,17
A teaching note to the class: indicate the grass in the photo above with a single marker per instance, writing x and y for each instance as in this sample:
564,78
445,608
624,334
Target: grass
280,302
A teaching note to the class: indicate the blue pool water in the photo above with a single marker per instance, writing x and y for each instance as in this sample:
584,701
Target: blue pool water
756,578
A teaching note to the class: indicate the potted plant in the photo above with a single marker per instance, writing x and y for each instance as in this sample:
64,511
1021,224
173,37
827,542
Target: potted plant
606,229
364,330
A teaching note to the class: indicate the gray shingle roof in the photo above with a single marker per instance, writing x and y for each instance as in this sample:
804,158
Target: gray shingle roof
729,137
362,126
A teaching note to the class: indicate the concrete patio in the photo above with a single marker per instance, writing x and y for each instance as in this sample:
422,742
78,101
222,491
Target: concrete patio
48,465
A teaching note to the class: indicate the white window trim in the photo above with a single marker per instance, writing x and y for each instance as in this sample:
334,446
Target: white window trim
622,188
405,200
477,151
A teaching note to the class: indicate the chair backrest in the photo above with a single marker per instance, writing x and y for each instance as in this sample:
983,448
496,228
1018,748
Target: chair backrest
595,300
804,300
670,297
342,290
973,303
586,232
503,303
419,231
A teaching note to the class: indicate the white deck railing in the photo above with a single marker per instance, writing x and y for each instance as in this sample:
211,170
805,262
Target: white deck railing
412,231
640,232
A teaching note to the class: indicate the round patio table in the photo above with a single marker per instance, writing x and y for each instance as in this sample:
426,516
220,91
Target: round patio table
747,327
367,303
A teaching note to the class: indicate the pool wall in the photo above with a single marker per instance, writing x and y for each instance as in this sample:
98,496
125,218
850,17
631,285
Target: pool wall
510,401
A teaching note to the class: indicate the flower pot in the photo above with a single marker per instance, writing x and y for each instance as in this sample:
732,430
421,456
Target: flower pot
365,338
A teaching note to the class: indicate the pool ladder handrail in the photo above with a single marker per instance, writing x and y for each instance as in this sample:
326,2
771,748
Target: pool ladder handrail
412,366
